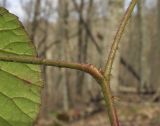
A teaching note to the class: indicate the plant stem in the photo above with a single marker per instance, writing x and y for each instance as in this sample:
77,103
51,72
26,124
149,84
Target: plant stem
105,84
102,79
109,103
88,68
117,38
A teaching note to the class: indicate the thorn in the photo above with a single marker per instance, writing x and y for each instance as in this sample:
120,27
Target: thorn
90,65
115,98
101,71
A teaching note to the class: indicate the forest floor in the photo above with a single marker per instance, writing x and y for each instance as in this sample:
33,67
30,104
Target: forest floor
132,111
129,115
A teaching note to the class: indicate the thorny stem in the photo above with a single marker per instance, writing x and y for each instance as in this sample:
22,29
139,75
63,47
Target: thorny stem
117,38
103,78
105,84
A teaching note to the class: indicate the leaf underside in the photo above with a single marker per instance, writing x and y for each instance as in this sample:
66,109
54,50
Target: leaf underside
20,84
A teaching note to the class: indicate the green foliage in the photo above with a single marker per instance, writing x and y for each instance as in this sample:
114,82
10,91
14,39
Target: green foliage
20,84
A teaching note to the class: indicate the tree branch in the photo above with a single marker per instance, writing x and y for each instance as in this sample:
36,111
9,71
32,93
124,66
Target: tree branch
87,29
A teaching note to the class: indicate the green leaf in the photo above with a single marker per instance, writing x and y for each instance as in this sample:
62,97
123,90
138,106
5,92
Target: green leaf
20,84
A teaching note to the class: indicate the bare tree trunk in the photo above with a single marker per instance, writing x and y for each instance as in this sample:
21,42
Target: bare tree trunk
64,40
145,45
155,57
37,8
158,44
67,96
89,17
80,75
140,38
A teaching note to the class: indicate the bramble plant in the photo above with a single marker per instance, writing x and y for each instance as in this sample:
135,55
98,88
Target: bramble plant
20,87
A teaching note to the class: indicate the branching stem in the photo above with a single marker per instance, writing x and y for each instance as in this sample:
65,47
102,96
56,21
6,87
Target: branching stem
103,78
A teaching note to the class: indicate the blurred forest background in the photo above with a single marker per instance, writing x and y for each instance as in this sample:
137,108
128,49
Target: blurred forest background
82,31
